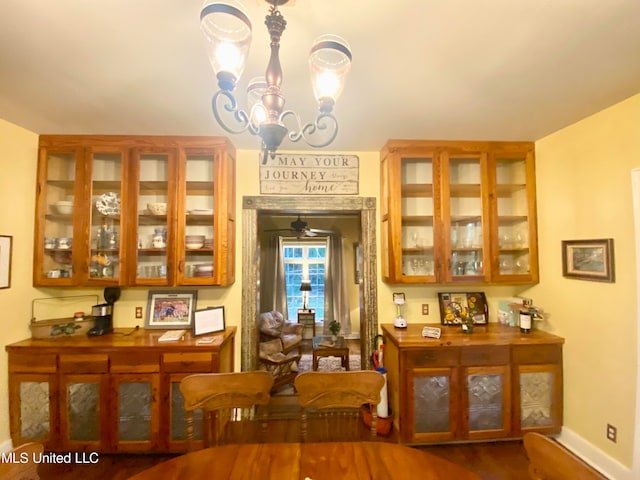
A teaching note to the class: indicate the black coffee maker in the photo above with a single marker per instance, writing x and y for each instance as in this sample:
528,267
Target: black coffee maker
103,313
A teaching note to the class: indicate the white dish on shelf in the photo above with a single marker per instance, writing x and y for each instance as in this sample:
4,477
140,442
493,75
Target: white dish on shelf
208,211
194,246
108,204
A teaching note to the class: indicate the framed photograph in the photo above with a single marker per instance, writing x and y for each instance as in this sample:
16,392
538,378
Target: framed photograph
456,306
588,260
170,309
208,320
5,261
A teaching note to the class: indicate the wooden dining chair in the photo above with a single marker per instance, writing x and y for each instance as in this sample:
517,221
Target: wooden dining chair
15,468
548,460
331,403
230,404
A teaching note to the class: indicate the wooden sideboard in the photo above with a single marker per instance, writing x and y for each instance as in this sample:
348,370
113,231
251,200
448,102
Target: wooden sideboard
495,383
115,393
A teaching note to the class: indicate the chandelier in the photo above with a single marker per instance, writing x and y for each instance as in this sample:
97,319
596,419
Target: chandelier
228,32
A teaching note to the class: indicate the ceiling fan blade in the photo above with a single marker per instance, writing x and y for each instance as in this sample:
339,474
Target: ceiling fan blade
309,232
319,230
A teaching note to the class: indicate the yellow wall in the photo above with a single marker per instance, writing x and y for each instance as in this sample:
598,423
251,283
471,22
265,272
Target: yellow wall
18,158
584,192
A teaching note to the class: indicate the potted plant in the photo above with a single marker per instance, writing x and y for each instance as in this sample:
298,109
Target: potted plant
334,328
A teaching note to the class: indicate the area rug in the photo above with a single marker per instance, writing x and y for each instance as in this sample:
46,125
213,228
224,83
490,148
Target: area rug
328,364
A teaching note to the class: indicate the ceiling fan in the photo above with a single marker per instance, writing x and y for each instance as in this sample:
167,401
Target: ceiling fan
301,229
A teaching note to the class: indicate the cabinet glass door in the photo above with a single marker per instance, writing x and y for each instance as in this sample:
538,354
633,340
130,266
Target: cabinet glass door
135,411
514,196
197,238
464,215
417,213
105,216
154,211
433,403
81,413
58,204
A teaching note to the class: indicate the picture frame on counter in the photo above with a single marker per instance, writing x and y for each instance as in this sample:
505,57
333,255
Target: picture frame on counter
168,309
6,243
456,306
208,320
588,260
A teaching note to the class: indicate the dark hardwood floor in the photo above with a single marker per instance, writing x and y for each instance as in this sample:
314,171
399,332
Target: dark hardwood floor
491,461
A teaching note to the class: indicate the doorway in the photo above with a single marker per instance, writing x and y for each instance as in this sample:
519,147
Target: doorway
252,208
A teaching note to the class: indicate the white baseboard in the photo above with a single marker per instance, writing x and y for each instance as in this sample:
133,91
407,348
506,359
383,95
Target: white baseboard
595,457
6,446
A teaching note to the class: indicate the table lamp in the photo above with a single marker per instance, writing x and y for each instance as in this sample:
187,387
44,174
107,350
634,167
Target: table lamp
305,288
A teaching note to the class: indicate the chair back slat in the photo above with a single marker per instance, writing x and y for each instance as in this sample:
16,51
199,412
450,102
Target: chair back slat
331,404
231,405
19,470
548,460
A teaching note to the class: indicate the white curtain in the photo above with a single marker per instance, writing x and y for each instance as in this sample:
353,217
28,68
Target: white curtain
336,295
273,288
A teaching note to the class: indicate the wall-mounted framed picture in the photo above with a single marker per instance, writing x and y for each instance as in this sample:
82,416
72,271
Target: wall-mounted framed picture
5,260
208,320
454,307
170,309
588,260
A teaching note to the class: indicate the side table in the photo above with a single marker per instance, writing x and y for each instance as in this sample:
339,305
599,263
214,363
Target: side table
339,348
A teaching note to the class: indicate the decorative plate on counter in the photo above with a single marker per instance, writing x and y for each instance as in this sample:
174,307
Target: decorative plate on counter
108,203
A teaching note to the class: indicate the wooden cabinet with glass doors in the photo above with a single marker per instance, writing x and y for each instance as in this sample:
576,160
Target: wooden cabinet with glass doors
132,210
458,212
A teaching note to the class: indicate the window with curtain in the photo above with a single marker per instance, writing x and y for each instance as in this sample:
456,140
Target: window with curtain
305,260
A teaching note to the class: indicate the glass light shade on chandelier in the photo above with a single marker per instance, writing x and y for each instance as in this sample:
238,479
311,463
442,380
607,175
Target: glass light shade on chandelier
228,32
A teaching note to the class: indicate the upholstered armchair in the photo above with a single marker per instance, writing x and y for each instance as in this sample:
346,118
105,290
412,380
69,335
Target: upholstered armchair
279,347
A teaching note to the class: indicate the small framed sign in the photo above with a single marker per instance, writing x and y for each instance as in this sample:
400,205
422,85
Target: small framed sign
208,320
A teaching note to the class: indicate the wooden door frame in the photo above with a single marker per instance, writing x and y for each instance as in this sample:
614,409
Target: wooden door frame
251,208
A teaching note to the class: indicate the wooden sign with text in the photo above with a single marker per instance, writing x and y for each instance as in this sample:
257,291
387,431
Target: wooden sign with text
301,174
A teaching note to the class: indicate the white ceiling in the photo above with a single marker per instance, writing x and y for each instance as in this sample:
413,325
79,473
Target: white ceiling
432,69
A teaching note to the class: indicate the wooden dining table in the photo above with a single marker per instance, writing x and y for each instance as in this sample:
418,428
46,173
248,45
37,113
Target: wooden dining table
310,461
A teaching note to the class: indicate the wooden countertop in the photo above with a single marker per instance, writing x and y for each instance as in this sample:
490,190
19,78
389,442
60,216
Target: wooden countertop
122,339
483,335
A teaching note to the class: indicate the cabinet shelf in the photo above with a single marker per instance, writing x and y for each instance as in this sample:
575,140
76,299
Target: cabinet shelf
505,190
463,190
417,190
417,220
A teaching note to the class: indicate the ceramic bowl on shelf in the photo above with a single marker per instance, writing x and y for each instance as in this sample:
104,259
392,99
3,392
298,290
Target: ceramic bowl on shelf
194,242
157,208
64,207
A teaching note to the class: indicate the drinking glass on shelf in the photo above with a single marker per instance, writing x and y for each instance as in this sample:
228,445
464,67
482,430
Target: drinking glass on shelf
415,265
414,237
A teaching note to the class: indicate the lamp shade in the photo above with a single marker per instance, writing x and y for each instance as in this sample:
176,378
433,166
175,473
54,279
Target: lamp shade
329,63
305,286
228,32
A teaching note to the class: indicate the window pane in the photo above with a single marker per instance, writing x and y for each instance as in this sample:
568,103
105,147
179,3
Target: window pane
305,260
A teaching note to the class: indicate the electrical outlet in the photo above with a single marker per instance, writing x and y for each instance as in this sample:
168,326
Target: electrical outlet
138,312
612,433
425,309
